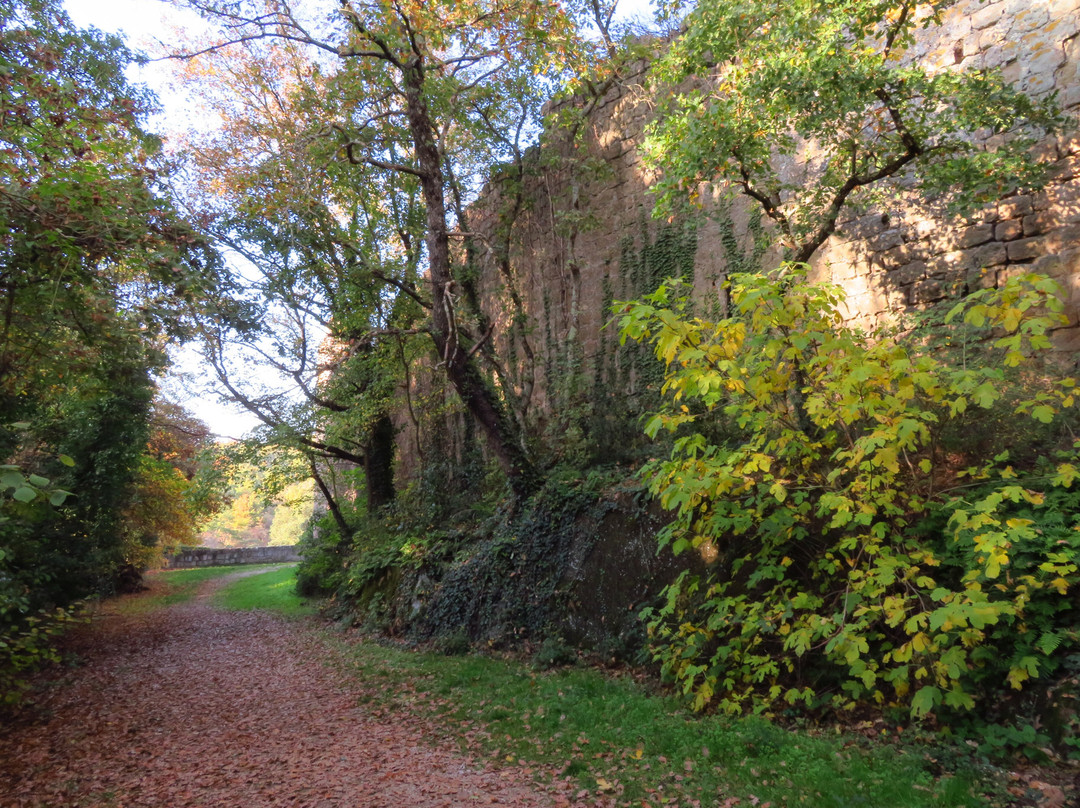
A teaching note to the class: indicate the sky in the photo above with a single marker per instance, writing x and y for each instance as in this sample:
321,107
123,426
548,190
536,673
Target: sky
143,23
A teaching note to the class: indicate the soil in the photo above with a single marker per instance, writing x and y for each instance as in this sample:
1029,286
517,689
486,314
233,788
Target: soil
192,706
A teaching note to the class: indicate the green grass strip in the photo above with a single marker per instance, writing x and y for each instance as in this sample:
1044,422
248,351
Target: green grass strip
170,587
615,738
274,591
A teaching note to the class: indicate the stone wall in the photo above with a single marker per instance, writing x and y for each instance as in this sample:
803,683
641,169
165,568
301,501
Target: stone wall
907,256
229,556
585,235
886,260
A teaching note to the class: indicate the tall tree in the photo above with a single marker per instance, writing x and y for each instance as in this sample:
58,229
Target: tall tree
97,273
426,93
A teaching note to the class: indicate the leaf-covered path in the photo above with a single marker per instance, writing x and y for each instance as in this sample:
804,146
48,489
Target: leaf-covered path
192,706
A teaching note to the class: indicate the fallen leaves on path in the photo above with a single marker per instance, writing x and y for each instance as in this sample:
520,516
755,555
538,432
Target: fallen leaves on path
191,706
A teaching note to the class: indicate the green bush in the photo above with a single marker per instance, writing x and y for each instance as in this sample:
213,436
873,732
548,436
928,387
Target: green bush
26,646
861,558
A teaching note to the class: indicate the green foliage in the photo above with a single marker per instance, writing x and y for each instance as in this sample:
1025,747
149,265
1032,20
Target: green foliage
755,85
267,496
99,272
27,648
831,587
505,583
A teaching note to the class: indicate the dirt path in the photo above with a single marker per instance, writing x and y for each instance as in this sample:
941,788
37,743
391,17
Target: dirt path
191,706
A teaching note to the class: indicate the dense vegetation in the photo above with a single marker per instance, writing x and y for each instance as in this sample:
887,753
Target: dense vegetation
859,545
98,274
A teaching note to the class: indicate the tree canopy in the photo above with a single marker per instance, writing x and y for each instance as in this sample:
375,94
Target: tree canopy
808,107
99,272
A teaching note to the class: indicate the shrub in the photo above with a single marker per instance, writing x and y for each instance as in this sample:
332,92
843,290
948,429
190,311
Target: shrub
859,561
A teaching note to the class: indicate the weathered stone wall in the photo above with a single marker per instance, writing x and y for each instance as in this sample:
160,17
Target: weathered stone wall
584,235
908,256
570,244
228,556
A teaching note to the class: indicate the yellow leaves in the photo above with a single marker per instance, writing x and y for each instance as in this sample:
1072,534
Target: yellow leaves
604,785
920,643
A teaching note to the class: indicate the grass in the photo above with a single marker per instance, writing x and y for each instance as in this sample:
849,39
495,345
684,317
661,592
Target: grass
271,589
274,590
168,588
615,738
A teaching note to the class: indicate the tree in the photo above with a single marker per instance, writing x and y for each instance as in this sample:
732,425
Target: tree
807,107
98,272
176,488
426,94
331,257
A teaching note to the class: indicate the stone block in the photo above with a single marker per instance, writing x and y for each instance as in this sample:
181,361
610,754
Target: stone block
1030,18
1067,339
897,256
1001,53
987,16
988,255
907,274
1015,207
974,236
1046,151
1065,169
1060,264
1062,239
1026,249
984,278
885,241
841,271
1063,201
1036,224
1069,142
927,291
1008,230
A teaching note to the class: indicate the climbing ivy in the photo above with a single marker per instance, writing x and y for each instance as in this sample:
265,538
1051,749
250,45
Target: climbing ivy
628,380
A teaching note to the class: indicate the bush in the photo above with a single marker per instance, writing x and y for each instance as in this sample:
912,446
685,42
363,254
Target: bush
860,562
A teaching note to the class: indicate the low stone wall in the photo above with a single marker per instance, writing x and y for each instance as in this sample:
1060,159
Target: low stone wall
228,556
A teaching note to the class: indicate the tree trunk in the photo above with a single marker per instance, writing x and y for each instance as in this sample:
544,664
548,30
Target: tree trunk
379,465
339,518
477,395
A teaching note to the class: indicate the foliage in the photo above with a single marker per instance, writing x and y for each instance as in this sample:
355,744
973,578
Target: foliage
176,487
807,106
262,503
98,272
27,648
831,587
